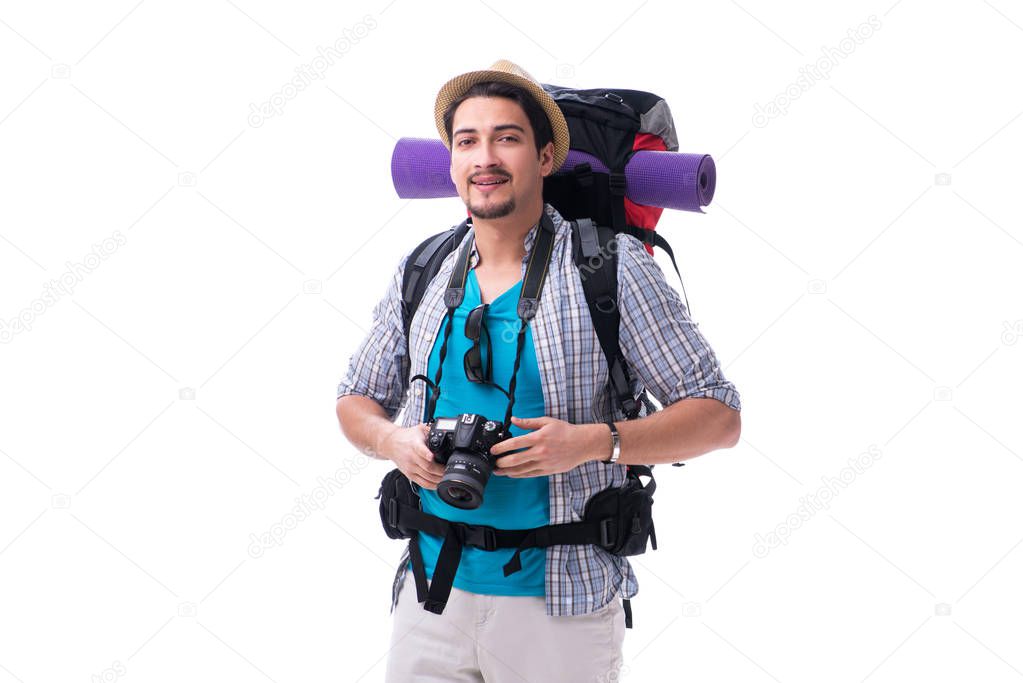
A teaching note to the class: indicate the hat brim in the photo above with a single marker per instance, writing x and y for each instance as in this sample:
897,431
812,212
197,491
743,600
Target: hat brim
458,85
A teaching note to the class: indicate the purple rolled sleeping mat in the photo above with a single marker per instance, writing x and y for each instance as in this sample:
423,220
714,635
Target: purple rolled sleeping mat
671,180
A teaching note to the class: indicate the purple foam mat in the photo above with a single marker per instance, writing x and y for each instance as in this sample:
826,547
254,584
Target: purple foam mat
672,180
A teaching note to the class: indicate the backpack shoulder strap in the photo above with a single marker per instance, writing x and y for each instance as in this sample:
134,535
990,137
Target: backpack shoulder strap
421,266
652,239
596,258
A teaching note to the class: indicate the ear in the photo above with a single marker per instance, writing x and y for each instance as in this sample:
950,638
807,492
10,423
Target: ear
547,159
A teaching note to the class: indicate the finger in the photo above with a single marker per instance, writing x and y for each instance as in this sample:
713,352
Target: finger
428,464
511,464
513,444
530,422
523,473
423,455
430,479
429,468
502,446
425,484
505,461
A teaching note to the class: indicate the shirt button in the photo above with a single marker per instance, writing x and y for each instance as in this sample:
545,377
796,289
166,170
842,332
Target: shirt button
419,391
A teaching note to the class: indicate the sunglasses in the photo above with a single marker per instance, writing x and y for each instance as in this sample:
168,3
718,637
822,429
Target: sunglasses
473,360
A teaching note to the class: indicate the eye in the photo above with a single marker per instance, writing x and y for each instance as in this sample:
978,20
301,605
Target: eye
461,140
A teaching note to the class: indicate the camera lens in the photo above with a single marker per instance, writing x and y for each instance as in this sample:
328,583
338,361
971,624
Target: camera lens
458,493
464,479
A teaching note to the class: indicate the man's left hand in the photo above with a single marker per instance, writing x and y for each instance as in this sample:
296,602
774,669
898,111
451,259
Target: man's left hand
555,446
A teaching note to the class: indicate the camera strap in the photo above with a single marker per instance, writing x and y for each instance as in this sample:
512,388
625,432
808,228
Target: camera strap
529,302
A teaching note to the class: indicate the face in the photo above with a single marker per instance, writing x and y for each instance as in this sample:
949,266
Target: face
494,163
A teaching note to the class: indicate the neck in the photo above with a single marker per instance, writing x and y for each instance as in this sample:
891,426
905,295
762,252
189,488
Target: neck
499,241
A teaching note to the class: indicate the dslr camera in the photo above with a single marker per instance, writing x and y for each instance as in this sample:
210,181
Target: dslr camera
463,443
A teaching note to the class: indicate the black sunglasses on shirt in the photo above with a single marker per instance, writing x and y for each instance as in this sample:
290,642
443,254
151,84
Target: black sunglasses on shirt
475,328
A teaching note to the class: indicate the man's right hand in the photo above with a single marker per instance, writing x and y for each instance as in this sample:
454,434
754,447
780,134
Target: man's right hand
406,448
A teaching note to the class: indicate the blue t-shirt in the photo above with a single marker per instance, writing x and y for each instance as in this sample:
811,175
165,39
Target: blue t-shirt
508,502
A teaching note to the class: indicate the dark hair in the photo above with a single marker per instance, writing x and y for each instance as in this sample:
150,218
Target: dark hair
541,125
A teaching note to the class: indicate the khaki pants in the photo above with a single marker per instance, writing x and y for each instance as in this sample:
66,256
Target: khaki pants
502,639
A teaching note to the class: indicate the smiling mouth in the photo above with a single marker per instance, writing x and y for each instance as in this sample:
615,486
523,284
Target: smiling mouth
487,183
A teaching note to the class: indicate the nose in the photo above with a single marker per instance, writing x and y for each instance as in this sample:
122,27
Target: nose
486,155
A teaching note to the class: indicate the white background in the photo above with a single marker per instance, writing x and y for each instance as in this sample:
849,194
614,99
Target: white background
857,275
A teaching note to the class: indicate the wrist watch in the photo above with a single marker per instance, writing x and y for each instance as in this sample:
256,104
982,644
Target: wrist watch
616,445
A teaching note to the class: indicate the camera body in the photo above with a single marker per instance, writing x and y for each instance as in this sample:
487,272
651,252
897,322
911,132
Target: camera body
462,443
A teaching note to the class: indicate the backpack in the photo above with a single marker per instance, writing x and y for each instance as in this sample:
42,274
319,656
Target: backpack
610,125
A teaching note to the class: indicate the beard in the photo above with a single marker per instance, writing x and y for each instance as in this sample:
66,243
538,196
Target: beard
486,208
491,211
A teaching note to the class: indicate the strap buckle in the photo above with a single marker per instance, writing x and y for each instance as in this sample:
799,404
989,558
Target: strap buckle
621,383
435,606
630,407
583,175
392,512
607,534
480,536
616,183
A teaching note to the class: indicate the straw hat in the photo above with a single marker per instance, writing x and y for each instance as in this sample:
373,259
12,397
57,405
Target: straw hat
505,72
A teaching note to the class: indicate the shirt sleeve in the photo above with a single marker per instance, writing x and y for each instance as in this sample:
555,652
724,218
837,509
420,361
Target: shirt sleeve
661,344
378,365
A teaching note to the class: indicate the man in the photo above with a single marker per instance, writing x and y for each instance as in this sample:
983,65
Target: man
560,617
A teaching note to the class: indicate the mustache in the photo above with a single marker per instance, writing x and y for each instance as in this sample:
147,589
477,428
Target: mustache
498,174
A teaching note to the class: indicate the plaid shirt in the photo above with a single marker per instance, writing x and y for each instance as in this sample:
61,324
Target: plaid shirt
665,352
